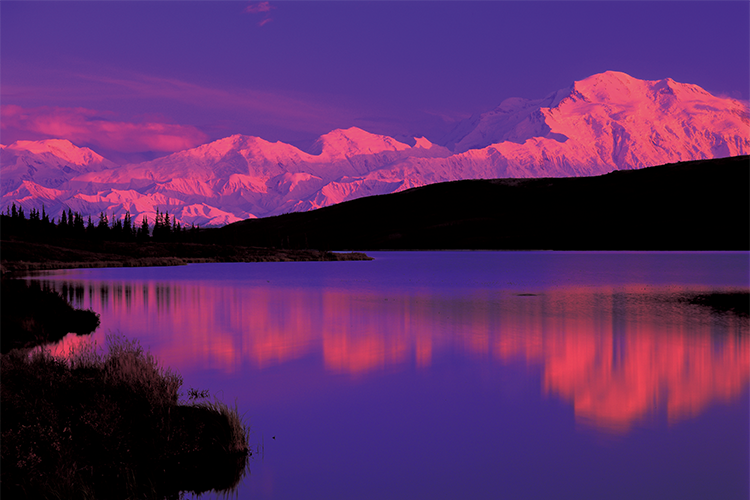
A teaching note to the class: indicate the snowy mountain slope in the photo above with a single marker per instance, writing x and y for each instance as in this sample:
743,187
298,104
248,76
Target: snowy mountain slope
515,120
606,122
251,177
51,163
615,118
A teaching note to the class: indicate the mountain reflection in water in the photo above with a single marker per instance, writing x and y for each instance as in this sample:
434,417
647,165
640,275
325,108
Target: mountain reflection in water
619,355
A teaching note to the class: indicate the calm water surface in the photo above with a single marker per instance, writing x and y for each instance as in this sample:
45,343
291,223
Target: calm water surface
458,374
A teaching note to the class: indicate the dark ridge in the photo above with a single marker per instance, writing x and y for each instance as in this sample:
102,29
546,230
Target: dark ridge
697,205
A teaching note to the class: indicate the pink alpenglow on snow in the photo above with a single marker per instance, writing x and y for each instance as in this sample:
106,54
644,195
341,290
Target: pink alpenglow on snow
609,121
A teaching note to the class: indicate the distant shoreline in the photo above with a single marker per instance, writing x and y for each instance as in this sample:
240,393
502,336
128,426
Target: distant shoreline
22,257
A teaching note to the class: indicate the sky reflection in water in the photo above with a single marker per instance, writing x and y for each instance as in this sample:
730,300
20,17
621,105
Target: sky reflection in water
517,362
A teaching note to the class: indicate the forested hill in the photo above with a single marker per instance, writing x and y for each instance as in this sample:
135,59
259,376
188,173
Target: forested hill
697,205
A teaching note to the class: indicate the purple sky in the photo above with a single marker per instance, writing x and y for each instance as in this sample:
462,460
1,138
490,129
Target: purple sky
133,77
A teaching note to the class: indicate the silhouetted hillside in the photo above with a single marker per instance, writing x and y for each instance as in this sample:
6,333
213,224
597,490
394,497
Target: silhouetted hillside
699,205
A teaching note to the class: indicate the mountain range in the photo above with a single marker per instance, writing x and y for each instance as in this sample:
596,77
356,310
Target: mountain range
604,123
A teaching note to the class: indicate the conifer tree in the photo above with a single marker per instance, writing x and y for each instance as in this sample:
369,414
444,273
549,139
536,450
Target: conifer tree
127,227
90,227
103,221
78,227
167,226
116,231
143,231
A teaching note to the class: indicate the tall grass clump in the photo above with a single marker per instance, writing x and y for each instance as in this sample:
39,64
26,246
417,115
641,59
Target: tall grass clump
237,436
129,366
109,425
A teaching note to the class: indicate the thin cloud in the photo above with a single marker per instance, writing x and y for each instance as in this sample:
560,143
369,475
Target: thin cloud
84,126
288,110
255,8
219,109
260,8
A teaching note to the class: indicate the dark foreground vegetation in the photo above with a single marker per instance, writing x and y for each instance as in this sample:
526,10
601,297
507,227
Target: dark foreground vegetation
30,316
98,425
101,425
698,205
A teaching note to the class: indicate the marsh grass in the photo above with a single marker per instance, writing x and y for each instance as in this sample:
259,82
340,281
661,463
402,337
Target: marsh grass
110,425
239,433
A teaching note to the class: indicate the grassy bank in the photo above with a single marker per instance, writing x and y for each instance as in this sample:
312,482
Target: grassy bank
111,425
21,256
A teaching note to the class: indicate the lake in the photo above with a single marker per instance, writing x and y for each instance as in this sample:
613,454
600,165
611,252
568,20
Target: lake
478,375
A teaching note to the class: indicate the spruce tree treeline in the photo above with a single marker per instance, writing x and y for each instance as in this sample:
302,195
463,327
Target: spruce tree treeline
71,225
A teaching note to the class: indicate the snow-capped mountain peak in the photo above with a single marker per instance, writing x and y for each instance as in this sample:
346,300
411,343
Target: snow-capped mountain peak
422,142
63,149
353,142
607,101
602,123
49,163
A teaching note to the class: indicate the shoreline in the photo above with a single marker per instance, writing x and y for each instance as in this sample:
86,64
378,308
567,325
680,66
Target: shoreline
23,257
105,423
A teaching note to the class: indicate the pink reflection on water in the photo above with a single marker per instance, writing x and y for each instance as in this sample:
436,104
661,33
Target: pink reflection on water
619,355
619,363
